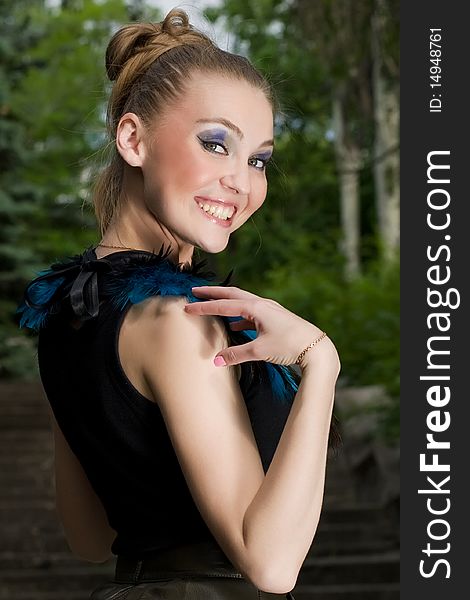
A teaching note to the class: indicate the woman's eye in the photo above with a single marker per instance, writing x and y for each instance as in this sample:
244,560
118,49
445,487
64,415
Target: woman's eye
261,163
212,145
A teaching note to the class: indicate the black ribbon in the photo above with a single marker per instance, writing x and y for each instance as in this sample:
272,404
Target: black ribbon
81,285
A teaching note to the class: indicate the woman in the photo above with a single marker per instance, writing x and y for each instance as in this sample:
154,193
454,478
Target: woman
185,445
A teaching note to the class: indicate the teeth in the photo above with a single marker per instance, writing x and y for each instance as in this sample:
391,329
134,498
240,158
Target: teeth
220,212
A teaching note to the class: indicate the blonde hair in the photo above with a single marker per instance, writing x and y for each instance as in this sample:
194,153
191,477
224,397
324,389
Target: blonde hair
150,64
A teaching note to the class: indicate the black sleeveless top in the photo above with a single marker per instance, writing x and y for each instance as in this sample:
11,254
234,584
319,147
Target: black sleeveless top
118,435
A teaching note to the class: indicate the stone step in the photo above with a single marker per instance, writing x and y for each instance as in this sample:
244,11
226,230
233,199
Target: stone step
9,403
36,483
33,509
354,536
339,547
26,461
24,421
42,559
21,391
32,482
22,493
369,568
28,409
371,515
19,594
68,579
32,549
20,440
381,591
21,436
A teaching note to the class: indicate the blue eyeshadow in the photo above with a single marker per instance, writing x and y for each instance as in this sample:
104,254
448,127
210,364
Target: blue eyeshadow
218,135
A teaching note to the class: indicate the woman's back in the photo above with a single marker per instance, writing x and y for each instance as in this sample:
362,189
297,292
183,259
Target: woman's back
118,434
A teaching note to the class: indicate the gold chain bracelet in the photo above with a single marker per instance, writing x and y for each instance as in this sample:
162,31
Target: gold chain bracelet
311,345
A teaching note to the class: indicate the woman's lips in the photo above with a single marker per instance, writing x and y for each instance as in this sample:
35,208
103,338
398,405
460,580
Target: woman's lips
213,218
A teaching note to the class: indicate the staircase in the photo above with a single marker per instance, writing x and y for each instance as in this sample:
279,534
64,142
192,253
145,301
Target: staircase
355,552
354,555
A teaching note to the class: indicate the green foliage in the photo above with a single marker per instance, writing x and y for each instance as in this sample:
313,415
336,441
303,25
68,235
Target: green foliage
17,349
63,124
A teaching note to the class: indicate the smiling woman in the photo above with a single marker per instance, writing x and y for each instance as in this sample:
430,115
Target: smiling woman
185,443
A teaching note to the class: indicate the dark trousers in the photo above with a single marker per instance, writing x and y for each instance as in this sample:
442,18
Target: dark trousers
195,572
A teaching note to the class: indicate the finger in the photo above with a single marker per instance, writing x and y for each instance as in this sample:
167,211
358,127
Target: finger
221,291
234,355
224,307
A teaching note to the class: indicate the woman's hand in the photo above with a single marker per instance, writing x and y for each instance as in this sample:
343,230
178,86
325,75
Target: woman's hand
281,334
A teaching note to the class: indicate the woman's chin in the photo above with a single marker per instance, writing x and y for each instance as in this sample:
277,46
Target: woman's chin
214,246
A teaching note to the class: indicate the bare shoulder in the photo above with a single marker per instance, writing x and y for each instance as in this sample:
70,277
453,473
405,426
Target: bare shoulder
160,322
184,339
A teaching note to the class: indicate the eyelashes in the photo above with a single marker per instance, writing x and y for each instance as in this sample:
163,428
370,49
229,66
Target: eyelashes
206,144
209,146
263,161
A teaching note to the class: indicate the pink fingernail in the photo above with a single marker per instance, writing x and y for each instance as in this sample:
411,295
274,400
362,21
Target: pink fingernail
219,361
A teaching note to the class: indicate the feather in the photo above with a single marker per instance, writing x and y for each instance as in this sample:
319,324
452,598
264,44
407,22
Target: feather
132,277
137,284
41,293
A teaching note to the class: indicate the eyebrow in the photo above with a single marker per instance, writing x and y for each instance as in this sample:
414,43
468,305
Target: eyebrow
233,127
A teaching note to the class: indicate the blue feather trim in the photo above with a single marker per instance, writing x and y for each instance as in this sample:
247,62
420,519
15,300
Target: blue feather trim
131,277
41,293
149,281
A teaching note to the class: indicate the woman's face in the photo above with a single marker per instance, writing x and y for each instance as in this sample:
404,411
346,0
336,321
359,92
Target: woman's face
208,153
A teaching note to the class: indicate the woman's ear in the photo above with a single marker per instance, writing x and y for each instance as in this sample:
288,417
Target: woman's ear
130,139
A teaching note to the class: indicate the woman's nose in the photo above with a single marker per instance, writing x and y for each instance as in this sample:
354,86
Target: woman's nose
239,183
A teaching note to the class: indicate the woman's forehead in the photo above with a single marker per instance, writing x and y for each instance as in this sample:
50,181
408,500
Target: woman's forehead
220,100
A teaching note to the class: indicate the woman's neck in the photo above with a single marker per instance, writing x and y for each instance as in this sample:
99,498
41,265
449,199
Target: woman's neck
135,227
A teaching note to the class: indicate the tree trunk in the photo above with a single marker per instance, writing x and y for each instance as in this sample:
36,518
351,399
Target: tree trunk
386,132
348,164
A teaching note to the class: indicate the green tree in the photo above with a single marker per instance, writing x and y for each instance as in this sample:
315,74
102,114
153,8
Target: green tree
18,197
52,103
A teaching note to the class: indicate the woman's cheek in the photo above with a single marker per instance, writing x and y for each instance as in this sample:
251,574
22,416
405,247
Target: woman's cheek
261,192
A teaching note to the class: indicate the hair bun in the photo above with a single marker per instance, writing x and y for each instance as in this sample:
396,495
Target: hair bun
127,42
176,22
134,38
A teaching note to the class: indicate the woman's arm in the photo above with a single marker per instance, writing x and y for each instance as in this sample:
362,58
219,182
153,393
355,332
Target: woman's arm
264,524
81,512
281,520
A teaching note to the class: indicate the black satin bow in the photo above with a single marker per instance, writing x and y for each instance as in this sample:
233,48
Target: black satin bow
81,285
